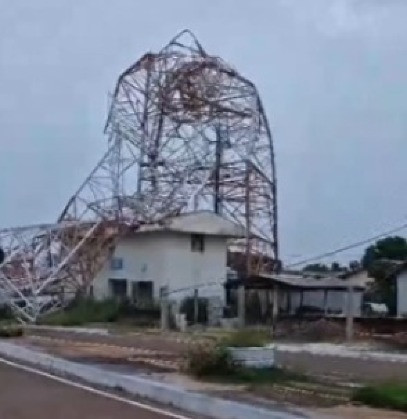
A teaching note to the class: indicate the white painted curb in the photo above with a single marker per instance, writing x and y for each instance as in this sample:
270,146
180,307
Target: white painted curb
253,357
192,402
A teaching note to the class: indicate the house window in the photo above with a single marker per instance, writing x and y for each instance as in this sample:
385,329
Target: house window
197,243
143,292
118,288
116,264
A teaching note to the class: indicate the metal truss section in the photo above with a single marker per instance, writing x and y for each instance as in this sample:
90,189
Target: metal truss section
186,132
197,124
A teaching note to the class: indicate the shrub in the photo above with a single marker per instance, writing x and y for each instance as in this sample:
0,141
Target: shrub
6,313
392,396
207,359
84,311
11,331
140,315
246,338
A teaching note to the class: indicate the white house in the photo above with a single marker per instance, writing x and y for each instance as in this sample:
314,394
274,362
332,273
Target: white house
182,254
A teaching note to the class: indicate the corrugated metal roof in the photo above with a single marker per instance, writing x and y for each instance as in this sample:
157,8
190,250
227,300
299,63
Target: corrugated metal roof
358,280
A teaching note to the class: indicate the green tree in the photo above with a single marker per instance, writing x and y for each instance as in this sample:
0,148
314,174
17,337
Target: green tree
391,248
379,259
316,267
321,267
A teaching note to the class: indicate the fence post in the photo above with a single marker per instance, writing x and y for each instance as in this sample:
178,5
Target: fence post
196,306
241,305
164,311
349,315
275,307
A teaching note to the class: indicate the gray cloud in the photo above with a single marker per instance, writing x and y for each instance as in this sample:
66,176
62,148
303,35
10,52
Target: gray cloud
332,74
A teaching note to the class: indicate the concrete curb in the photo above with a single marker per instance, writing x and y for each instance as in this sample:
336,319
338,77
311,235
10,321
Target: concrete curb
83,330
191,402
341,351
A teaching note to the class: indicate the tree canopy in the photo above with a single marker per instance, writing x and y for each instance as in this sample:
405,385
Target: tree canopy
390,248
321,267
379,259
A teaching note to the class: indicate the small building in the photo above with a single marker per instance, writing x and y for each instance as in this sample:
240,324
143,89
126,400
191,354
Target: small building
401,290
174,257
325,294
298,293
399,276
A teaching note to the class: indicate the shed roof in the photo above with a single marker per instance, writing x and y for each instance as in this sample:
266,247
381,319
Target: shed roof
359,281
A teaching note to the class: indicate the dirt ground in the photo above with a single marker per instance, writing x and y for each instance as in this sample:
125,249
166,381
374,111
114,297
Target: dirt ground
137,351
163,355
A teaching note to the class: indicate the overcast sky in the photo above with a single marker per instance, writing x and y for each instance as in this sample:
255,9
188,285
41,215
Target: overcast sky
332,76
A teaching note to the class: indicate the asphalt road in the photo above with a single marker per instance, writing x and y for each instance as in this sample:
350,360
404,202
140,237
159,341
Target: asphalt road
27,395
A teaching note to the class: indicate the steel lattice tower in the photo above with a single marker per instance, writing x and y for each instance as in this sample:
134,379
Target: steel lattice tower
186,132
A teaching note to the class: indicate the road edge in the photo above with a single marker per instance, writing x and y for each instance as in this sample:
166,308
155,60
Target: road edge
170,395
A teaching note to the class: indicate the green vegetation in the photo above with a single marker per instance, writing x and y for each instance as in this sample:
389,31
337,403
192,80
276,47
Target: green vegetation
84,311
11,331
213,359
391,395
213,362
206,359
6,314
258,376
246,338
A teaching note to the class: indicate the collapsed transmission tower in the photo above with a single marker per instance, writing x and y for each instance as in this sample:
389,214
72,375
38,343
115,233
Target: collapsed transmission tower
186,132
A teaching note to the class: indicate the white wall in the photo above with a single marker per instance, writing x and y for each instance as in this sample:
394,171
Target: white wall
402,294
166,259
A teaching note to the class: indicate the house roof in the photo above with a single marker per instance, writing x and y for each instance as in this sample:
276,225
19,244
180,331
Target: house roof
200,222
358,281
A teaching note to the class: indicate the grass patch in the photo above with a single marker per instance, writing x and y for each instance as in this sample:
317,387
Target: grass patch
246,338
257,376
391,396
84,311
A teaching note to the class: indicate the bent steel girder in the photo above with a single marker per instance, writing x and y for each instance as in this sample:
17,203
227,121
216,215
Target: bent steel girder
186,132
195,121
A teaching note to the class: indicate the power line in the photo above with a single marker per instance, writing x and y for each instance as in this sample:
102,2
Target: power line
348,247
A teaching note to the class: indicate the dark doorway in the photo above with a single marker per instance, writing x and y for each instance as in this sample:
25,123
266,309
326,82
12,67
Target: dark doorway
118,288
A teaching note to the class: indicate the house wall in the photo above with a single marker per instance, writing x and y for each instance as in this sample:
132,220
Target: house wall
402,294
166,259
